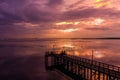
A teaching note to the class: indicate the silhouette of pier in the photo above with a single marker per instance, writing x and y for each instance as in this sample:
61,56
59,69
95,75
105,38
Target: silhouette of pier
79,68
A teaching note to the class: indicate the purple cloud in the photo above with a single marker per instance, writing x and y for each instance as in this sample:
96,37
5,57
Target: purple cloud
90,12
54,3
45,13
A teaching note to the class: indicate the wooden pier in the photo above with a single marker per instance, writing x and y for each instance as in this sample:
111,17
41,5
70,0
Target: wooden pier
79,68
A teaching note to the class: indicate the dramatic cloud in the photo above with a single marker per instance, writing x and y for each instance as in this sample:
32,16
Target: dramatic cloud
50,18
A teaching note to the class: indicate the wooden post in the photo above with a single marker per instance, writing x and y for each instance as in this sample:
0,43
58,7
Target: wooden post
46,62
84,73
98,75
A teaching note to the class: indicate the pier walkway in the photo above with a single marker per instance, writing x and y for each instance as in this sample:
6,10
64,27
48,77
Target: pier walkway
79,68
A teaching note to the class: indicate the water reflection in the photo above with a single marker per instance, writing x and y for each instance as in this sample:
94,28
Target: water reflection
104,50
98,54
28,57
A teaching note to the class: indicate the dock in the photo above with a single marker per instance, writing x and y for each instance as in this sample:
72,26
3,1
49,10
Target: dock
78,68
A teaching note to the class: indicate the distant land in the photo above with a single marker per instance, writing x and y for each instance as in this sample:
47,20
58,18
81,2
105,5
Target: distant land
102,38
46,39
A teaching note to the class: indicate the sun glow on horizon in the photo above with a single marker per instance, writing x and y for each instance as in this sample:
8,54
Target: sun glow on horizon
69,30
98,21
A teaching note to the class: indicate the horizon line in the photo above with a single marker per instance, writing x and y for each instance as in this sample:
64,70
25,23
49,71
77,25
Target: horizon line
68,38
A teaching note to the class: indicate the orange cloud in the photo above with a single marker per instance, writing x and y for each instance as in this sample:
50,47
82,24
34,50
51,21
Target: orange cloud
67,23
69,30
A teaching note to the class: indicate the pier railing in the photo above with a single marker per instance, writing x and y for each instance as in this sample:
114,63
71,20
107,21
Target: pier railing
81,68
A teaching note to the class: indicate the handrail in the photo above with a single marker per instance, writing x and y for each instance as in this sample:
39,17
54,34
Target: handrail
88,61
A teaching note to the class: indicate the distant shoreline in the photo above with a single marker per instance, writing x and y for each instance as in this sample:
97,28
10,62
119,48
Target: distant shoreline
39,39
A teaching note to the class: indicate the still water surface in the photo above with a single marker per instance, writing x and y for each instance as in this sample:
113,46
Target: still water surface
24,60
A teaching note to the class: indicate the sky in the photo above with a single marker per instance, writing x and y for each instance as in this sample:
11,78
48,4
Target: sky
59,18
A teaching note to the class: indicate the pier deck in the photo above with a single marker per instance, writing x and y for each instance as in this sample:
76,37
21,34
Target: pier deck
81,68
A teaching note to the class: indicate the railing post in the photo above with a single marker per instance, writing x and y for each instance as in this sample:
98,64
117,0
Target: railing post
98,75
67,63
46,61
84,73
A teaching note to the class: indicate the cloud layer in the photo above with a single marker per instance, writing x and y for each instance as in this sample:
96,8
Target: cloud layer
38,18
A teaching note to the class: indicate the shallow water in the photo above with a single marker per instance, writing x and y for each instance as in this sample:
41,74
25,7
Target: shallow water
24,60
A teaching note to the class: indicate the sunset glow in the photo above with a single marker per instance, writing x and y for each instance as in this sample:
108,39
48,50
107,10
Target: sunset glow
64,23
98,0
67,23
68,46
49,18
69,30
78,38
98,21
101,3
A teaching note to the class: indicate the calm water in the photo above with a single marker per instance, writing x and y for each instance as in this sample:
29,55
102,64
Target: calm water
24,60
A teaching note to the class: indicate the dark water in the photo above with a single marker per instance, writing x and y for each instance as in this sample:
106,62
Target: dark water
24,60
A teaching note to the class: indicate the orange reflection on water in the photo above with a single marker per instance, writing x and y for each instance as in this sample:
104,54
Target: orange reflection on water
68,45
106,51
98,54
